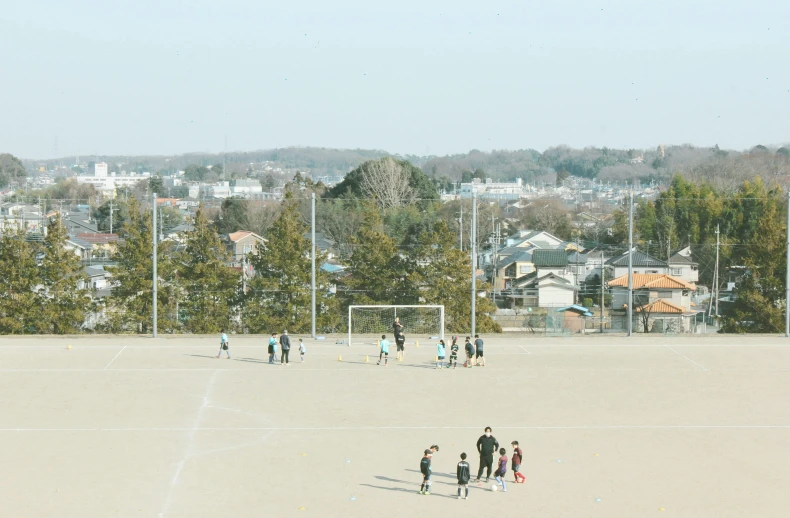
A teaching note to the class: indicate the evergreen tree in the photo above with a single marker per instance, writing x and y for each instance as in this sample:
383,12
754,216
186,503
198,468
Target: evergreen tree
760,296
131,299
63,296
377,274
19,277
209,285
441,274
278,297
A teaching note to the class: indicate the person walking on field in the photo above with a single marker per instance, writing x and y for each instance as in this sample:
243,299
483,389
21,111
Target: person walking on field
481,361
487,445
224,345
463,475
285,345
302,349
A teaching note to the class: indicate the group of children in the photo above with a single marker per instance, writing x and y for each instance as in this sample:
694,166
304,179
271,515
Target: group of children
285,345
474,353
463,471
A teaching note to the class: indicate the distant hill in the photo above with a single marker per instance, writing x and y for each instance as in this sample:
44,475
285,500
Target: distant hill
603,164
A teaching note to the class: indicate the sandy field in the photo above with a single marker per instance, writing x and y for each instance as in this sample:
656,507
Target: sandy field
610,427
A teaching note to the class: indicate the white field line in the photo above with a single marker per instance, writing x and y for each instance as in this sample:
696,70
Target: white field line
114,358
188,452
686,357
192,431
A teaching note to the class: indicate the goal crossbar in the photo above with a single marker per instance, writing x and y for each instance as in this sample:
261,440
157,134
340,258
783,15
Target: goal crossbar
395,308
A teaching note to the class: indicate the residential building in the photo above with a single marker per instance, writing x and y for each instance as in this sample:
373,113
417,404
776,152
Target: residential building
539,238
100,170
552,262
682,266
243,243
660,301
640,263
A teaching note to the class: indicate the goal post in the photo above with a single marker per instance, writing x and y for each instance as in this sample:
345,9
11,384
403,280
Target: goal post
378,320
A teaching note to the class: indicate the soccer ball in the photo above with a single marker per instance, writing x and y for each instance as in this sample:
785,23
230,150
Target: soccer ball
494,488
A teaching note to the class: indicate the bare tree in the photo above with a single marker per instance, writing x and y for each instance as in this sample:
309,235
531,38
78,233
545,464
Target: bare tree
388,182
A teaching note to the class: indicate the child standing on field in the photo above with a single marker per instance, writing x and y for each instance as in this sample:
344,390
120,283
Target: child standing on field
425,469
463,474
440,352
453,353
470,353
518,455
384,346
224,345
302,349
273,348
499,476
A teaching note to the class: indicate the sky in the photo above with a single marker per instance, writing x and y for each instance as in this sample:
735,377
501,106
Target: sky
429,77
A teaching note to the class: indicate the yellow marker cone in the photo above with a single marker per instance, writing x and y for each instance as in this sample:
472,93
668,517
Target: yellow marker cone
661,509
68,347
366,359
339,358
436,358
416,343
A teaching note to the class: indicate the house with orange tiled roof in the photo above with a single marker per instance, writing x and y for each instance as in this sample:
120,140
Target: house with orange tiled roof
661,302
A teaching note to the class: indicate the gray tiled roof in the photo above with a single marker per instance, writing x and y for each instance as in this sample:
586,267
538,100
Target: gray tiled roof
549,258
639,259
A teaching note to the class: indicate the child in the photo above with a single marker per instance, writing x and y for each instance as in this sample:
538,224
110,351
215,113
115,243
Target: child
440,350
302,350
273,348
462,472
223,345
384,344
481,361
499,476
516,463
470,353
454,353
425,469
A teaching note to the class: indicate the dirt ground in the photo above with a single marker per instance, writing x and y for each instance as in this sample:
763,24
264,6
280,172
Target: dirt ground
610,427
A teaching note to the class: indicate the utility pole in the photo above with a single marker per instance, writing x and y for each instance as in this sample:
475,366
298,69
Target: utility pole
111,215
630,263
603,277
787,275
155,279
312,266
461,228
473,236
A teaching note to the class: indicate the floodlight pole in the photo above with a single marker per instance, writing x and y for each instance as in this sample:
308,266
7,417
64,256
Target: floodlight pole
787,276
630,263
473,234
155,279
312,266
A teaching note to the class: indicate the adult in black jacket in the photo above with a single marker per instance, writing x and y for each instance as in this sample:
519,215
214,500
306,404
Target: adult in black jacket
487,445
285,345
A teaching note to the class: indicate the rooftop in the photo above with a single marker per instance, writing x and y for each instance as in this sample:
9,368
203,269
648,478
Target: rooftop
549,258
639,259
652,280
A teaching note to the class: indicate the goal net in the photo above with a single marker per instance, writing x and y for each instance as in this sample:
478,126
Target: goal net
379,320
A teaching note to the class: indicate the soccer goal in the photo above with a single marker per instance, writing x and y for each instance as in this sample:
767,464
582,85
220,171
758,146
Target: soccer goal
379,320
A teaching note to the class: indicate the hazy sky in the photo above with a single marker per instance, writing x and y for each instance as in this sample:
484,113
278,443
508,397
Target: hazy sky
423,77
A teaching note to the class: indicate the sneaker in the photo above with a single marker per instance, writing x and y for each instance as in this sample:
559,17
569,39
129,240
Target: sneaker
427,493
459,497
422,492
478,480
466,498
486,480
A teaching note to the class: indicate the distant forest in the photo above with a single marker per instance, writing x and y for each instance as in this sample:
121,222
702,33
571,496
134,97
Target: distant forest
722,168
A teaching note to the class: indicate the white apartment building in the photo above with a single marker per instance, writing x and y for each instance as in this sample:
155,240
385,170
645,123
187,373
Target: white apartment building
246,188
490,190
107,184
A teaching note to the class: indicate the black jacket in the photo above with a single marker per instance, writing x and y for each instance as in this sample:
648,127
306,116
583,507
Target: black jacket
425,466
487,445
463,472
285,342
